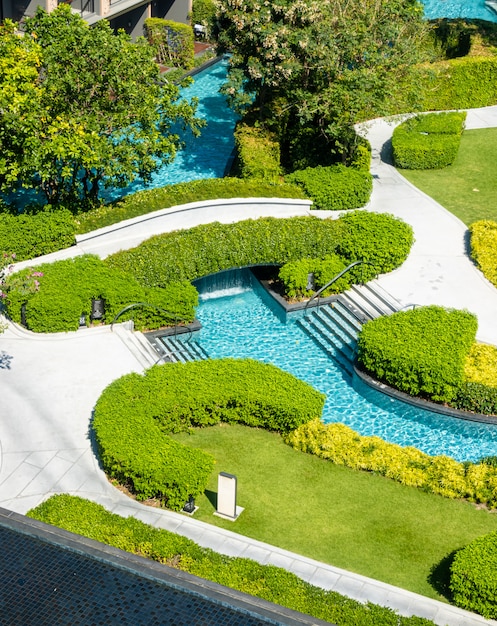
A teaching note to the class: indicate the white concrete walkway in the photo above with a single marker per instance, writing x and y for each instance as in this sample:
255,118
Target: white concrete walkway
49,385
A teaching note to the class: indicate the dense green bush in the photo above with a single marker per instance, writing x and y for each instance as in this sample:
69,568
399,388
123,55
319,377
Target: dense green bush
421,352
409,466
57,294
484,248
258,153
334,188
472,576
360,158
477,398
150,200
380,239
135,413
204,13
294,276
172,41
428,141
29,236
264,581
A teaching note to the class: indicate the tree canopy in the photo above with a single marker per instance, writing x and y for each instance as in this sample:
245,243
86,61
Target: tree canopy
311,69
83,108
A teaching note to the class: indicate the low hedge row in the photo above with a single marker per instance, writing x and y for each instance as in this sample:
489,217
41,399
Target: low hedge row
258,153
135,413
422,352
472,576
335,187
428,141
264,581
55,295
144,202
380,239
409,466
484,248
28,236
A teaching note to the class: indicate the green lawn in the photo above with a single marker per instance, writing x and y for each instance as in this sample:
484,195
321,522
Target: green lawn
350,519
467,188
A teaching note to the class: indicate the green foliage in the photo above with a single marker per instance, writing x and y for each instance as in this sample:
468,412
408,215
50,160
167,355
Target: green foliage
204,13
379,239
29,236
135,413
334,188
258,153
57,294
476,398
172,41
294,275
421,352
428,141
361,155
481,365
484,248
264,581
150,200
472,576
310,70
82,128
409,466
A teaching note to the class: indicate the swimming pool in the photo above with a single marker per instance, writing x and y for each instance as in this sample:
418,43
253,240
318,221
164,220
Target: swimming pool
244,322
206,156
458,8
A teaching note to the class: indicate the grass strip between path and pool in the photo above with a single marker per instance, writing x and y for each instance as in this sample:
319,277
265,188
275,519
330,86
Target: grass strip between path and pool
350,519
468,187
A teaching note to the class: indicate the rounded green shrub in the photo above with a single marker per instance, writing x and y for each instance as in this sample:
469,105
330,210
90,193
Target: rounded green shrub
472,576
335,187
484,247
428,141
134,415
421,352
258,153
294,276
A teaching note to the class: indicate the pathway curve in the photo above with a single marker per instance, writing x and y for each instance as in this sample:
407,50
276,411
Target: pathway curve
49,385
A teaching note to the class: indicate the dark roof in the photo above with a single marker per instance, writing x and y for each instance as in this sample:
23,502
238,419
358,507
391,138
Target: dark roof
50,576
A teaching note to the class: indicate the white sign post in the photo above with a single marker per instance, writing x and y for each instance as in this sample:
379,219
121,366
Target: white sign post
226,497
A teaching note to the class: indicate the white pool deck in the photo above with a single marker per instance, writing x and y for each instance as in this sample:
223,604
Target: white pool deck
50,383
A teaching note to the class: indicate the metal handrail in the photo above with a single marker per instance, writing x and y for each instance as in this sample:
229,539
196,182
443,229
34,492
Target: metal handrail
135,305
334,279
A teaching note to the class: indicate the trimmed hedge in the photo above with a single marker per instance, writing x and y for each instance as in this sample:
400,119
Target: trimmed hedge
264,581
173,42
472,576
28,236
428,141
258,153
481,365
421,352
144,202
484,248
409,466
57,294
380,239
135,413
335,187
294,275
476,398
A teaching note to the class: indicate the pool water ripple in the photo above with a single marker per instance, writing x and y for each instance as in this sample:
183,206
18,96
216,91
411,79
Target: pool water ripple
247,325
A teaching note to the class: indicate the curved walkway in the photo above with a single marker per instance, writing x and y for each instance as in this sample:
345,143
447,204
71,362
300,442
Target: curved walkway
51,383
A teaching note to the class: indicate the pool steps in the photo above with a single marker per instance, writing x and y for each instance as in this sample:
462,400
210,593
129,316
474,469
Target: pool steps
336,326
174,350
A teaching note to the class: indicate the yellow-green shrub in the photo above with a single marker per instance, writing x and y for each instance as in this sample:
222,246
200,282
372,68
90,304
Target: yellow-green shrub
481,365
439,474
484,248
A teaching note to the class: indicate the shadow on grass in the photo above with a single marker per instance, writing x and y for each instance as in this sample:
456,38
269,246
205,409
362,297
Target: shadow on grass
212,497
439,577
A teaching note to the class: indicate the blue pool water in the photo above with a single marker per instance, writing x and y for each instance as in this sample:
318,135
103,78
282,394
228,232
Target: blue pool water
206,156
245,323
458,8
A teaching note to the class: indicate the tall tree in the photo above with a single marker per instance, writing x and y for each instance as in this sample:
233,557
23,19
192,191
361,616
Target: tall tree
313,68
100,114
